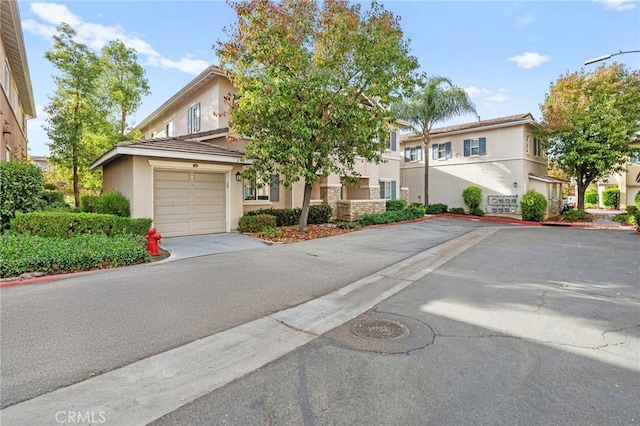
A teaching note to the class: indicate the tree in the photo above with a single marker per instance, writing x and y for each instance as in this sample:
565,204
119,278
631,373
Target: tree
313,79
590,121
21,187
435,100
125,82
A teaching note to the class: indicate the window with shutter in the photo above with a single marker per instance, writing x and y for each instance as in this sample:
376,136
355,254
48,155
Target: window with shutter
441,151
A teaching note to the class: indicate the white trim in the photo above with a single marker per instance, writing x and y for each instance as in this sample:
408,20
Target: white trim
330,185
179,165
143,152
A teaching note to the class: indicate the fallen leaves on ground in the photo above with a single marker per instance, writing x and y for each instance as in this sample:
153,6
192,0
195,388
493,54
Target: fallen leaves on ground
562,219
291,234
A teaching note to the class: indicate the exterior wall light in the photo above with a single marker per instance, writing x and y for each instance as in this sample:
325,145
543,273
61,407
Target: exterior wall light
515,184
238,177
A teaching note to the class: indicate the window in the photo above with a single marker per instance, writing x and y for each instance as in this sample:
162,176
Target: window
168,128
537,147
392,140
5,78
271,192
412,154
634,157
441,151
193,118
7,154
388,190
477,146
153,134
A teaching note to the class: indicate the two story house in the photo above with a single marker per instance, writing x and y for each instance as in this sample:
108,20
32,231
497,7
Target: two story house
627,182
16,100
499,155
186,174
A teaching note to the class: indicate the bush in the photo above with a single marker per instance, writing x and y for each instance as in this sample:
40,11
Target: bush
26,253
575,215
472,197
256,223
68,225
476,211
637,217
114,203
637,200
533,206
50,186
396,205
591,196
410,213
611,197
632,210
418,209
437,208
21,186
289,217
89,204
625,219
456,210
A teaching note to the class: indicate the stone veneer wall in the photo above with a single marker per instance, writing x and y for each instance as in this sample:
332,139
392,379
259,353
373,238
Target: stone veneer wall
330,195
404,194
374,193
350,210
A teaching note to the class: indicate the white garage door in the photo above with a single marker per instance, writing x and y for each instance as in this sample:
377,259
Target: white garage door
188,203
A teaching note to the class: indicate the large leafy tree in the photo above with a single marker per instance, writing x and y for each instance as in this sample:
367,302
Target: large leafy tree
125,83
75,109
313,80
590,121
435,100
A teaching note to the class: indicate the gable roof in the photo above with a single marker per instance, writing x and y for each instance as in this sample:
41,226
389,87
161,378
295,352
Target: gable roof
510,120
176,148
205,76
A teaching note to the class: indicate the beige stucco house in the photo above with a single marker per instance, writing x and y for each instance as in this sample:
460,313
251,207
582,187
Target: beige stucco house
16,100
185,174
499,155
628,182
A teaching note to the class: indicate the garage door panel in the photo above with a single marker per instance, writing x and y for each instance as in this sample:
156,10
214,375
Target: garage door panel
188,203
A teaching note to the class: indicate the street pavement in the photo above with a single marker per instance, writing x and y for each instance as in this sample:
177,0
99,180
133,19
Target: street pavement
521,325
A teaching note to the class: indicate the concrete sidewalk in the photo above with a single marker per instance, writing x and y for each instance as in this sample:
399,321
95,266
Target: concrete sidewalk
203,245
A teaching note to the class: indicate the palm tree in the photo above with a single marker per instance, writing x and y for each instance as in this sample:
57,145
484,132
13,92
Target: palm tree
436,100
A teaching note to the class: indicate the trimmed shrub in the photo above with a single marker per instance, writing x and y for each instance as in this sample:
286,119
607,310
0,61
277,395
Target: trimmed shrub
89,204
437,208
456,210
575,215
21,186
533,206
114,203
632,210
410,213
637,200
396,205
476,211
256,223
27,253
472,197
591,196
637,216
68,225
50,186
611,197
418,209
318,214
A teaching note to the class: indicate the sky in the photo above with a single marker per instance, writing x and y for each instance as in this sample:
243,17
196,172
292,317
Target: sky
505,54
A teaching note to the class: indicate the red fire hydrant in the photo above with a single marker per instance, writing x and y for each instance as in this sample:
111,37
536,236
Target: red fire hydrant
153,239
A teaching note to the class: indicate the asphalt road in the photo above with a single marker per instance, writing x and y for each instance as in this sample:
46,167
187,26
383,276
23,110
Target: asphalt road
58,333
537,326
527,326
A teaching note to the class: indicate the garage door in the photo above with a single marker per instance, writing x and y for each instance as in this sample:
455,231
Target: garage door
188,203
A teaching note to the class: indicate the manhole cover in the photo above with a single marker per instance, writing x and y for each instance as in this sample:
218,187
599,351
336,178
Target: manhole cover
379,329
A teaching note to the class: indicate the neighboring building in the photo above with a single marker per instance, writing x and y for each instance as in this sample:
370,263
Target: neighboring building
16,101
628,182
185,174
499,155
42,163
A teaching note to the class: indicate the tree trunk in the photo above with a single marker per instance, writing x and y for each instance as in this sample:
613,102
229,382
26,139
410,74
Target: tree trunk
306,201
427,153
581,189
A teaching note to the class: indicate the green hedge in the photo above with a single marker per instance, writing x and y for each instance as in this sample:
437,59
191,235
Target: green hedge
114,203
20,254
591,196
410,213
472,197
67,225
289,217
456,210
256,223
396,205
21,187
437,208
611,197
533,206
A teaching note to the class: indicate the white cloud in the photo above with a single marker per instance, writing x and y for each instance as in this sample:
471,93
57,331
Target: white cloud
617,5
97,35
525,20
476,91
499,97
530,60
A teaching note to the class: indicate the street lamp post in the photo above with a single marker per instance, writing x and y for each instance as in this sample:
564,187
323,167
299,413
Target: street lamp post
605,57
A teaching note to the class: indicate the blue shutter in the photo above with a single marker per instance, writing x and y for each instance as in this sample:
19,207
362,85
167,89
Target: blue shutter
393,189
467,147
483,146
393,136
434,151
419,153
196,118
447,148
274,189
407,155
189,117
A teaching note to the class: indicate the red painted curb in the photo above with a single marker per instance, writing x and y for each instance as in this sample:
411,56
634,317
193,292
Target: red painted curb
36,280
490,219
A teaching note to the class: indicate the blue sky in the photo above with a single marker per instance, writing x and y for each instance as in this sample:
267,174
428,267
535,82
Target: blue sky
504,53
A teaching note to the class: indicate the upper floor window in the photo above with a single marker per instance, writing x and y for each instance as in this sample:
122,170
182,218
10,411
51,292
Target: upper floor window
392,140
477,146
5,77
537,147
634,157
153,134
193,118
168,128
441,151
412,153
